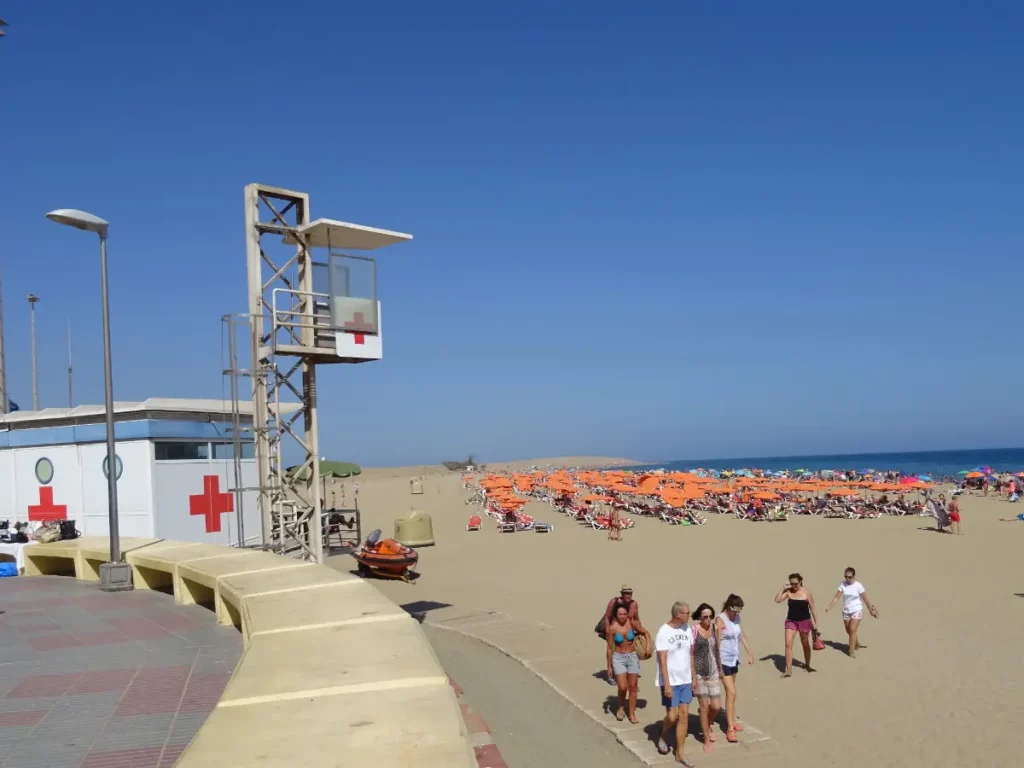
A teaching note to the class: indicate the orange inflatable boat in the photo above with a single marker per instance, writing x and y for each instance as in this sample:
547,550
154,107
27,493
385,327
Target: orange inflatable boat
386,558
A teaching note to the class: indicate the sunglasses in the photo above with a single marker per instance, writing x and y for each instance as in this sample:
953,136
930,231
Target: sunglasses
705,615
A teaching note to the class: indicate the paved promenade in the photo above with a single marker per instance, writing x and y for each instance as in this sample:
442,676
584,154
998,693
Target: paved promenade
568,665
96,680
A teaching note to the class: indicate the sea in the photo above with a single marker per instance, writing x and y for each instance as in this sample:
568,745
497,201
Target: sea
933,463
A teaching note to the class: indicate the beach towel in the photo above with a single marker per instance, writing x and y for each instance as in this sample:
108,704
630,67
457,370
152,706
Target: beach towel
940,513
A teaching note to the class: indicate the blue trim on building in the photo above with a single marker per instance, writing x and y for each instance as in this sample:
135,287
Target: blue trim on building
150,429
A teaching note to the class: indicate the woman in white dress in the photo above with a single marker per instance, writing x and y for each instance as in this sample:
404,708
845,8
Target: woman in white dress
855,599
730,638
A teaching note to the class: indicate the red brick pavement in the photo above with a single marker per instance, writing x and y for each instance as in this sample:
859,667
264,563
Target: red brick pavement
22,718
487,754
135,723
154,690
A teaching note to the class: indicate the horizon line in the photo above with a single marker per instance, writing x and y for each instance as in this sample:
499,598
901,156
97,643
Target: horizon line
837,455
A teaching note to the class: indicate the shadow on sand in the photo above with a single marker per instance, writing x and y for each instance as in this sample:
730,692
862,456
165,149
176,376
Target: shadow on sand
611,704
780,661
420,608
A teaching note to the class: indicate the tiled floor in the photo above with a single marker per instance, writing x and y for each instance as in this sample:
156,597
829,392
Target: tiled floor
96,680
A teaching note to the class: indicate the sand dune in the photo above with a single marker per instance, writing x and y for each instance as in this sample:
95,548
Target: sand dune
939,682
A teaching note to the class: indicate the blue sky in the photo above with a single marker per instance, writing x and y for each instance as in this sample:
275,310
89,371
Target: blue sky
642,229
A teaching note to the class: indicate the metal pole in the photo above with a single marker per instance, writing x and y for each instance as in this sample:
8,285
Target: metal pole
4,404
108,376
70,399
32,299
236,427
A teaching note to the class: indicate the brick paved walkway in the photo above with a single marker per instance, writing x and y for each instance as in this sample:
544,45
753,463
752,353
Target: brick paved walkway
96,680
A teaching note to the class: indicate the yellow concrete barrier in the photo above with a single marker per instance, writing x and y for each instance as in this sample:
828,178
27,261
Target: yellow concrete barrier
333,673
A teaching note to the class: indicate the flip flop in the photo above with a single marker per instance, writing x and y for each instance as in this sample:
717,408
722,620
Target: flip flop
620,715
730,736
685,762
633,720
663,747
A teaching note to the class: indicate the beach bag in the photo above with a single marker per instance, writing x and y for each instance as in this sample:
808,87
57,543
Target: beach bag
643,648
48,534
599,629
819,644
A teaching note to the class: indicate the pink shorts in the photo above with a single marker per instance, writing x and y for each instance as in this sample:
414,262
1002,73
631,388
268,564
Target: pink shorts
803,627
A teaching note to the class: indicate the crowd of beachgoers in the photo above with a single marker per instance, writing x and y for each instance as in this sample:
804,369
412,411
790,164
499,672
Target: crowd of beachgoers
697,654
611,500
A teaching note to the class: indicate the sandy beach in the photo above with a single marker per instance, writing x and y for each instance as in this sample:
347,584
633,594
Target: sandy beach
938,682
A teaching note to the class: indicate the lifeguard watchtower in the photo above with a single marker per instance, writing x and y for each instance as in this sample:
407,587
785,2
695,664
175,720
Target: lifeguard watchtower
312,301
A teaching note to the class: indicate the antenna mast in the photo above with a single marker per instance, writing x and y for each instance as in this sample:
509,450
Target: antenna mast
4,399
70,400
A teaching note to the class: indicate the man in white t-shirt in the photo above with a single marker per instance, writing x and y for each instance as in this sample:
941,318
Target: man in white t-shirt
674,677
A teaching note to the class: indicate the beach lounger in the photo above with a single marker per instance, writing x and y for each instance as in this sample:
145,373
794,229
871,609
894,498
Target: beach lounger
540,527
506,527
474,523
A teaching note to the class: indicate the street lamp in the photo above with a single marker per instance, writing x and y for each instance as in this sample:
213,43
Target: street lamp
116,575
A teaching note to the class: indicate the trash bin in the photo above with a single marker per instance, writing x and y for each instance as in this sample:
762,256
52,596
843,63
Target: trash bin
416,486
415,529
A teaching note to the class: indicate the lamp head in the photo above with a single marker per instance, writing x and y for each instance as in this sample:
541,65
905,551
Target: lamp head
79,220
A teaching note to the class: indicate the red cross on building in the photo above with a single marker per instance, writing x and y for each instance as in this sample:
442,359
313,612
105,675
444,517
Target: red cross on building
211,503
46,510
359,325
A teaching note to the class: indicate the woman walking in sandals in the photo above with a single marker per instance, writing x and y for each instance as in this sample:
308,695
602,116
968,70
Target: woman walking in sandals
730,638
623,660
855,599
801,617
707,673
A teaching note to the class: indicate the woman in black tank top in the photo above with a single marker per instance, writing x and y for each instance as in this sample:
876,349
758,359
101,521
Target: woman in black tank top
801,618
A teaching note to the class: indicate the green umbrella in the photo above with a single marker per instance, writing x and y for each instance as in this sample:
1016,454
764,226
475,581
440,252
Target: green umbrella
964,472
330,469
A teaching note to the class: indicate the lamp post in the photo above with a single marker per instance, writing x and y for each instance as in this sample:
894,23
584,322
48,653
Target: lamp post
32,301
116,575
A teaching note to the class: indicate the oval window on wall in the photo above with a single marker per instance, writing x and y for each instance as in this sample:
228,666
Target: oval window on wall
117,463
44,471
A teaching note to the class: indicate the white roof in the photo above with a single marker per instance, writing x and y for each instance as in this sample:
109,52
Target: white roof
174,404
328,233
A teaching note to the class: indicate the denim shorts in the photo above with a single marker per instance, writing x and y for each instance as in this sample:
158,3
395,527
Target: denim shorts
626,663
728,671
681,694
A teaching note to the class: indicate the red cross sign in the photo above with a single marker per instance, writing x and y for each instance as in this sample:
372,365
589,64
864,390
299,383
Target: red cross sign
211,503
358,323
46,510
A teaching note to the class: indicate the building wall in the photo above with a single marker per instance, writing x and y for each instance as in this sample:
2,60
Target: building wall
77,487
179,489
155,498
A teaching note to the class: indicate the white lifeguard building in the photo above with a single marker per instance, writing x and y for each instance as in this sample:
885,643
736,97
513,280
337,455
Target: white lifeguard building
175,468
